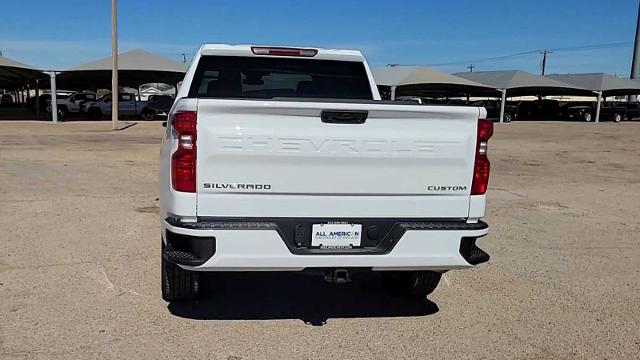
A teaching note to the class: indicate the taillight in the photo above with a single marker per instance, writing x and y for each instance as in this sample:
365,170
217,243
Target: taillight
284,51
183,161
482,166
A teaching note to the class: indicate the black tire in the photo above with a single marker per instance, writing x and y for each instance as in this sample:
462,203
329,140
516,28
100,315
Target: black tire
94,114
411,284
507,117
147,115
617,117
587,117
62,112
178,284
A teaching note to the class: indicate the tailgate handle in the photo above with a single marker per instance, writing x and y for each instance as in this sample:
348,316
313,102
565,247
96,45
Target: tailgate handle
344,116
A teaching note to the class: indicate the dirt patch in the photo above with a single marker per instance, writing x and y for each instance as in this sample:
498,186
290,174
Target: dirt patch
148,210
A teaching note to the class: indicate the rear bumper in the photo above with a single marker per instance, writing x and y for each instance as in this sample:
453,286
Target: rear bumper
278,245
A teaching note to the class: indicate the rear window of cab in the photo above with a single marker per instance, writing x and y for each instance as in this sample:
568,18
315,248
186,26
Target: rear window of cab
267,78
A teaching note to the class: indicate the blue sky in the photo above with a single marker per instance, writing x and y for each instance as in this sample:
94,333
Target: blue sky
60,34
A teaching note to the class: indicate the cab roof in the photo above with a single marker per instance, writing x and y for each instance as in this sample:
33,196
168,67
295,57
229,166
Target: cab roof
246,50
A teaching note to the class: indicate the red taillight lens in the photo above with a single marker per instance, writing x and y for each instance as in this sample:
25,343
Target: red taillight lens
482,166
183,161
284,51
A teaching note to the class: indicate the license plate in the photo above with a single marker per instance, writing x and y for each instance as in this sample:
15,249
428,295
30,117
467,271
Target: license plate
336,235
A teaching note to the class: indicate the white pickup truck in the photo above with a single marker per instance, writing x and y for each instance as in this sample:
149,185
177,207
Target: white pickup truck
286,159
72,104
128,106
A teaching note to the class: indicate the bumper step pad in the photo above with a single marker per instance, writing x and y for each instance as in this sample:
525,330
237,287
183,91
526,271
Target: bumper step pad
471,252
182,257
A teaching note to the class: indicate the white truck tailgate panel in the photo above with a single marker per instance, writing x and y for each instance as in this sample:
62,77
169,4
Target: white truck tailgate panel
278,157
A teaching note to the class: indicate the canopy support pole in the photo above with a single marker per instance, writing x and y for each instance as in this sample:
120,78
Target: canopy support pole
54,98
393,93
502,104
598,105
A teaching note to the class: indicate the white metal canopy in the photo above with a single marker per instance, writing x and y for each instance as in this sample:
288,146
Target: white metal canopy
419,79
519,83
602,84
14,73
134,60
135,67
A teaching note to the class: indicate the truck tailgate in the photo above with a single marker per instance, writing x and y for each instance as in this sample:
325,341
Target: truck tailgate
259,157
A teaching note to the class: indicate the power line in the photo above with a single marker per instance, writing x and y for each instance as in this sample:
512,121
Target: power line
594,47
537,51
486,59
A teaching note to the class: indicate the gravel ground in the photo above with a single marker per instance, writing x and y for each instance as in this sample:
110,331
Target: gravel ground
80,258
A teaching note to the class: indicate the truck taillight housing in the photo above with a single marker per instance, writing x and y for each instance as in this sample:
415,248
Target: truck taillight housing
183,161
482,166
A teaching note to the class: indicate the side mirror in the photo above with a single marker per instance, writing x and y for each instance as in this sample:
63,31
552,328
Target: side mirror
164,124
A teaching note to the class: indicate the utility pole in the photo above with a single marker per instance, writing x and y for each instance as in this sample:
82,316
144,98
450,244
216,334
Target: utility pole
544,60
635,62
471,67
114,69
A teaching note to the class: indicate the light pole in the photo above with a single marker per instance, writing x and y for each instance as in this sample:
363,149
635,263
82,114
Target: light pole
114,69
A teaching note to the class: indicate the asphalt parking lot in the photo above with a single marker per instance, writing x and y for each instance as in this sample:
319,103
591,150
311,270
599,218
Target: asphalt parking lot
80,257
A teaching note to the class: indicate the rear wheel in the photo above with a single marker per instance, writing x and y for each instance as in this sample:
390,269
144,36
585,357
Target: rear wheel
62,112
147,115
617,117
507,117
412,284
94,114
178,284
587,117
